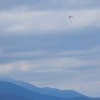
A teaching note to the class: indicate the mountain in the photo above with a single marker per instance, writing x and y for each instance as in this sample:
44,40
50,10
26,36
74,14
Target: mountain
83,98
47,91
12,97
13,89
51,91
10,91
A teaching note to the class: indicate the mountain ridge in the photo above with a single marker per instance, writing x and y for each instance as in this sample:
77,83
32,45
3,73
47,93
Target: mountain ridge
47,90
12,97
12,90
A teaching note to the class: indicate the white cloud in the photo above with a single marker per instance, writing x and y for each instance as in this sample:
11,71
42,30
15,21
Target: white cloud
47,21
49,5
82,87
25,54
0,51
53,62
51,65
20,66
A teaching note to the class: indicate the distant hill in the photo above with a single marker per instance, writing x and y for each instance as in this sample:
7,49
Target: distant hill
12,97
51,91
47,91
10,91
13,89
83,98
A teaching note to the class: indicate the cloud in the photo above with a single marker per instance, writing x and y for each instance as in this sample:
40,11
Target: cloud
47,21
29,47
51,61
48,5
0,51
21,20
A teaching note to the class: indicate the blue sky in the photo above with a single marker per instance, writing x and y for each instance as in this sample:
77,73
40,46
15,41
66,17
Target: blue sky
40,45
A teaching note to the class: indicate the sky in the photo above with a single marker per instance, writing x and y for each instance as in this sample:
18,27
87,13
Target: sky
40,45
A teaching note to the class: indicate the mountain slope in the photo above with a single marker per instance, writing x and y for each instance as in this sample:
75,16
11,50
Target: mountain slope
51,91
47,91
10,91
12,97
10,88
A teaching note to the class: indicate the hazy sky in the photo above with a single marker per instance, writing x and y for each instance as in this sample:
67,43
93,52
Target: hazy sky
40,45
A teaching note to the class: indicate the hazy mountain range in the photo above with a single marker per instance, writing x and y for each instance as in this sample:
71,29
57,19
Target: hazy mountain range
11,89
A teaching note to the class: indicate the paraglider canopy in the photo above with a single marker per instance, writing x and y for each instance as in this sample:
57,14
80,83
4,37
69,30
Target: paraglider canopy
70,18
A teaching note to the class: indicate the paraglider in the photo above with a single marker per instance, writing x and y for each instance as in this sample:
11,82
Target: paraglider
70,18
